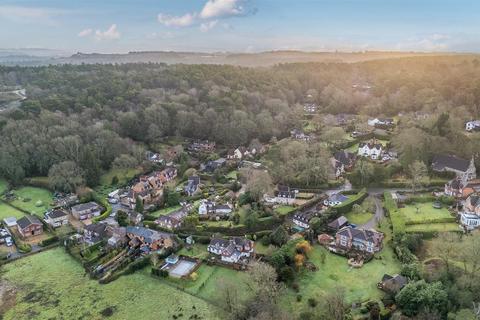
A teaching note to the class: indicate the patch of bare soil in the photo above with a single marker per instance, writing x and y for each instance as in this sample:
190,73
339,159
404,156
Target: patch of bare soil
8,295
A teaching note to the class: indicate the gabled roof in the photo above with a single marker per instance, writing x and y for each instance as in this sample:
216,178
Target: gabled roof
441,162
27,220
55,214
344,157
338,223
337,197
85,206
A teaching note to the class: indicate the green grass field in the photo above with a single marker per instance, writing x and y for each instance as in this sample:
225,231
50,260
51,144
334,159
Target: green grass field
165,211
123,175
284,210
52,285
32,199
426,212
433,227
359,284
7,211
359,218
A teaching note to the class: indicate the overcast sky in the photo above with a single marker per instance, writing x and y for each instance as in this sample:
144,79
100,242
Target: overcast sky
241,25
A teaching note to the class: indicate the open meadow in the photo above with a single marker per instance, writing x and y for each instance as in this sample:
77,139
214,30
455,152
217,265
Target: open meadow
52,285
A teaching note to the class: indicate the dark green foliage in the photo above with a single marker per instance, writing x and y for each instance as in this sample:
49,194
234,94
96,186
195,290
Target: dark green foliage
49,241
279,236
138,205
122,218
421,296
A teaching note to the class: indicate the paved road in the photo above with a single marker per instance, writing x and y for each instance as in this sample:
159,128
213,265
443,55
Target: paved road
379,214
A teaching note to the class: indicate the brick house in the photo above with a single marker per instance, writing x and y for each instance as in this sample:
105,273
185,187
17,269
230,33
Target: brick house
29,226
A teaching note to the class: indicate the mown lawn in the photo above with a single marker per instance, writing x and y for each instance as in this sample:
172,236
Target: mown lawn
7,211
433,227
32,199
359,284
52,285
165,211
359,218
426,213
284,210
196,251
123,175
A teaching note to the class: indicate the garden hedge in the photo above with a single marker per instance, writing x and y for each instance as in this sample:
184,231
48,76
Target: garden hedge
346,206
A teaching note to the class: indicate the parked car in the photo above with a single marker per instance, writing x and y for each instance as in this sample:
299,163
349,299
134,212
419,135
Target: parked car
9,242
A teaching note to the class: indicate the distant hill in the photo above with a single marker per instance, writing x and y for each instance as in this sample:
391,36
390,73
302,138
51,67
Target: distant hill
240,59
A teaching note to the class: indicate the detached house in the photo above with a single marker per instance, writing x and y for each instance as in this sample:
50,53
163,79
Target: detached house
450,163
243,152
148,240
201,146
381,123
56,218
192,185
335,200
392,284
210,208
174,219
349,238
232,250
95,232
29,226
461,189
285,195
470,217
300,135
86,210
371,149
213,165
302,219
343,161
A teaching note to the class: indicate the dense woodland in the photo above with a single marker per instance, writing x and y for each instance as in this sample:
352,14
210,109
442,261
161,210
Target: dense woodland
94,115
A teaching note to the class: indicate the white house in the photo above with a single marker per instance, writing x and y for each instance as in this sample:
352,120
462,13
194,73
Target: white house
371,149
208,207
231,250
302,219
473,125
470,221
285,195
335,200
56,218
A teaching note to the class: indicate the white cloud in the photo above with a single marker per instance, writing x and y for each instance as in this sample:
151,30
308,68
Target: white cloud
177,21
85,32
110,34
207,26
221,8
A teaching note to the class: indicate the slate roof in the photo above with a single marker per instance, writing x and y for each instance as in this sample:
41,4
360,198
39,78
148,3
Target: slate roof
360,234
148,235
441,162
338,223
344,157
27,220
338,197
56,214
85,206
